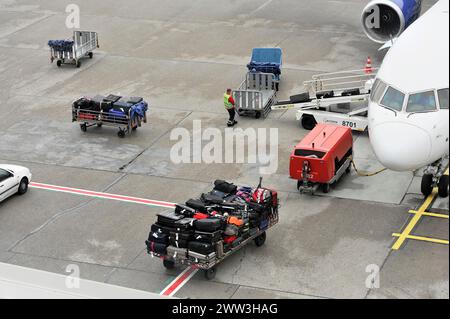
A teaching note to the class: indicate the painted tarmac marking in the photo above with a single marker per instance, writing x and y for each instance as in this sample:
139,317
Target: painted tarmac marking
418,214
101,195
179,282
185,275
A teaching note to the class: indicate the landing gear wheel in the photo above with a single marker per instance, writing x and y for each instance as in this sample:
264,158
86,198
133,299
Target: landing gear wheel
326,188
427,184
169,264
83,127
308,122
58,63
23,186
210,273
443,186
260,240
121,134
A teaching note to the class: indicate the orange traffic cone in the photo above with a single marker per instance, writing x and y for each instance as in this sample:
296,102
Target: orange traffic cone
369,69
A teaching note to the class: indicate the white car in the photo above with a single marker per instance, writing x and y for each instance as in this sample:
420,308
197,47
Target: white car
13,179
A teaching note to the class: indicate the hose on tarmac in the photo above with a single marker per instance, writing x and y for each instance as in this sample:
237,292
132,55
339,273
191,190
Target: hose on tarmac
366,174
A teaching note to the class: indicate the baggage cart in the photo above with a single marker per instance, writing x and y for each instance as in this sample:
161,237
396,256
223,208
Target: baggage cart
72,51
127,121
209,262
257,93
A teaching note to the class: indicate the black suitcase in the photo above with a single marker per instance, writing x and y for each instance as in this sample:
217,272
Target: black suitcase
208,237
156,248
184,224
160,238
187,236
198,205
180,243
185,211
169,218
201,248
135,100
112,98
210,199
157,228
208,225
224,187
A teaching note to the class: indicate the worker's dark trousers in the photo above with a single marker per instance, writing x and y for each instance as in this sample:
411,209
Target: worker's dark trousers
232,113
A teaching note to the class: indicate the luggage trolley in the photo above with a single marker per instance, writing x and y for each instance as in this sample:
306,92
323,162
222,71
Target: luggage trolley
100,111
258,91
82,45
174,256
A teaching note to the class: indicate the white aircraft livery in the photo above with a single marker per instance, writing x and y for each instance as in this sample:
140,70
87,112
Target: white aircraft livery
409,103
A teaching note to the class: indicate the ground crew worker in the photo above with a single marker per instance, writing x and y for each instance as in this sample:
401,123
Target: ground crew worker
230,107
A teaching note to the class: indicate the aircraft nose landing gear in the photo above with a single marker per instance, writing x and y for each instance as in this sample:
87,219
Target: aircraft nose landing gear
434,176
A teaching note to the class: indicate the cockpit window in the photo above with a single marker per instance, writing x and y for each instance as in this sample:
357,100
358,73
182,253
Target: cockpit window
443,98
378,89
393,99
421,102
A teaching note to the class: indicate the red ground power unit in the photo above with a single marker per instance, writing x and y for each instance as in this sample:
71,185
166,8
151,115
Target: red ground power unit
322,157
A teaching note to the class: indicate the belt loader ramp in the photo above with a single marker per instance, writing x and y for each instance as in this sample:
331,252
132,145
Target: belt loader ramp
339,98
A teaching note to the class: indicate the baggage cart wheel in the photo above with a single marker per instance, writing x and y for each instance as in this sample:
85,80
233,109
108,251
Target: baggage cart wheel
277,87
121,134
326,188
58,63
90,55
78,64
443,186
83,127
257,115
169,264
99,124
210,273
261,239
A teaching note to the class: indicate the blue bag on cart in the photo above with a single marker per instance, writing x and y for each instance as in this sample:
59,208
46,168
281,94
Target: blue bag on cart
61,45
139,109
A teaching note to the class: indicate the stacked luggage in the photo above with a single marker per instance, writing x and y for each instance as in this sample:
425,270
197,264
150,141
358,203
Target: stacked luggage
205,230
127,113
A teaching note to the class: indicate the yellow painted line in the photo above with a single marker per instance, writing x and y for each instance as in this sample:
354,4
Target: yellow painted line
429,214
427,239
404,235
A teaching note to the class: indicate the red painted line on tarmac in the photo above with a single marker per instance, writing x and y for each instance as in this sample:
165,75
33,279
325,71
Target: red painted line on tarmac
179,282
101,195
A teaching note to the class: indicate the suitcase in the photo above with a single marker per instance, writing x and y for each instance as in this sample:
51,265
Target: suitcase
86,116
208,225
159,249
212,199
198,257
185,224
208,237
187,236
169,219
201,248
185,211
237,242
180,243
176,252
224,187
135,100
112,98
157,228
197,205
160,238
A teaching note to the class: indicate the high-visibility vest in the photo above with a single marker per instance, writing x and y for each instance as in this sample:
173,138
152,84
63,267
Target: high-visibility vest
226,98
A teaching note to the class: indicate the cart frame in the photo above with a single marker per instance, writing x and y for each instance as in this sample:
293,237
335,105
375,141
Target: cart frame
85,42
89,118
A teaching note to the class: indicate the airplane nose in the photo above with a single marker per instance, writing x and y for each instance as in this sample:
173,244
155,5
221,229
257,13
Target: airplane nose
400,146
